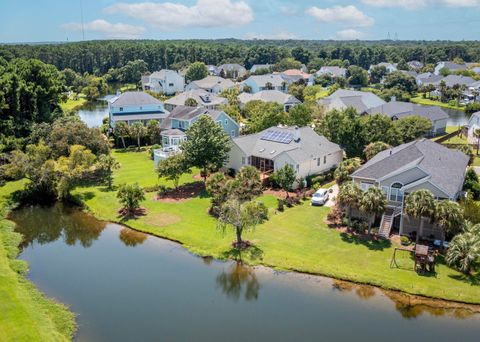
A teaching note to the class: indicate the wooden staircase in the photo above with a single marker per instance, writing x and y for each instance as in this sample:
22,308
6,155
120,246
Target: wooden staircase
387,221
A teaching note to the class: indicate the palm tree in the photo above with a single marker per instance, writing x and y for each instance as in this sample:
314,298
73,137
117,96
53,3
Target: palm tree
464,249
476,133
121,130
420,204
349,196
449,216
138,130
373,203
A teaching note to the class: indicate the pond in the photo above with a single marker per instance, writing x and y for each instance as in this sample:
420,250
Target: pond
456,117
93,113
127,286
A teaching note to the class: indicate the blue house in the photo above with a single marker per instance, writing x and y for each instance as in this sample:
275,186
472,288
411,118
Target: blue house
267,82
135,106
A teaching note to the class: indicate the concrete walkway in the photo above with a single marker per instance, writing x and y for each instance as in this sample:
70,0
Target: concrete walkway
332,197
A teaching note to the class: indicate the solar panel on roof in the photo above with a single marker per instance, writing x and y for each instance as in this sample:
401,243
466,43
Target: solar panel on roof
278,136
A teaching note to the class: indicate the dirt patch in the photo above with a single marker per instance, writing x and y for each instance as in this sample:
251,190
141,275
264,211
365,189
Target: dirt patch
138,212
278,193
162,219
183,193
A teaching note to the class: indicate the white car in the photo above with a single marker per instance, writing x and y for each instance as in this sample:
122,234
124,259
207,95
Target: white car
320,197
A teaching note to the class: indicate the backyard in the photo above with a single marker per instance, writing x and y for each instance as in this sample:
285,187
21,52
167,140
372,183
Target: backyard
419,99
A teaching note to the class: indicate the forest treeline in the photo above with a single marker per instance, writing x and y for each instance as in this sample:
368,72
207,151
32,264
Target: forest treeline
97,57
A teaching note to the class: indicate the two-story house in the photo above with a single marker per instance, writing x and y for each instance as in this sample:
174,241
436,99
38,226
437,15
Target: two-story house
168,82
135,106
421,164
202,98
266,82
211,84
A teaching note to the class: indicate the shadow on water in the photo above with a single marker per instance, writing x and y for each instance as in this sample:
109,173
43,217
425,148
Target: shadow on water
239,281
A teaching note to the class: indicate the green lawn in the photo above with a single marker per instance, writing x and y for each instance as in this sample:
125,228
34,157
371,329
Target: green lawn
26,315
428,102
297,239
72,104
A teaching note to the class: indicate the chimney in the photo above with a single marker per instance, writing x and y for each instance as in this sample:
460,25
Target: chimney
297,134
393,99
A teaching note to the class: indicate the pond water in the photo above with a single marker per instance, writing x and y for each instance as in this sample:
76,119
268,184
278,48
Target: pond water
127,286
92,113
456,117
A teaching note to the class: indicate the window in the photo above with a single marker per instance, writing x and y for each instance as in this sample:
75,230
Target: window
219,122
141,107
232,134
324,159
318,161
226,122
365,186
396,194
121,109
170,84
243,160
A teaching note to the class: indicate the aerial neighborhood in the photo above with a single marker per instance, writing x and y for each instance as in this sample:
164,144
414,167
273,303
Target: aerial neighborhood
354,161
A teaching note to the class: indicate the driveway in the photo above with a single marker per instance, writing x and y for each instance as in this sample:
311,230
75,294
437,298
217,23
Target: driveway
333,196
477,169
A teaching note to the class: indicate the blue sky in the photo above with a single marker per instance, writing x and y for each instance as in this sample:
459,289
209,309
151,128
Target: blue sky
60,20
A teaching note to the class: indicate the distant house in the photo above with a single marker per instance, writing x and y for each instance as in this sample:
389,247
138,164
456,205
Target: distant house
288,101
212,70
421,164
452,80
257,67
165,81
135,106
266,82
412,73
415,65
427,78
397,110
232,70
180,119
360,100
333,71
294,76
211,84
476,70
389,66
450,66
202,97
304,150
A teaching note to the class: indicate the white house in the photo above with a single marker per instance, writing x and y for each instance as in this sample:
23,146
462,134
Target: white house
304,150
294,76
165,81
135,106
266,82
332,71
343,98
391,67
211,84
257,67
232,70
202,97
286,100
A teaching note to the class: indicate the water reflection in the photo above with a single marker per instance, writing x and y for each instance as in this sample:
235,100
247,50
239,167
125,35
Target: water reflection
239,280
51,223
93,113
132,238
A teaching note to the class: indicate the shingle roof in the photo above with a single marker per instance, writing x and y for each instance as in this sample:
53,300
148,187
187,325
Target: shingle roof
333,70
309,145
454,66
134,98
400,109
163,73
268,96
452,80
198,95
445,167
188,113
212,81
359,100
275,79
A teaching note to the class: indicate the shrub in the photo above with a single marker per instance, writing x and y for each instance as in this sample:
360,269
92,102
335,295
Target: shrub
152,148
280,204
405,241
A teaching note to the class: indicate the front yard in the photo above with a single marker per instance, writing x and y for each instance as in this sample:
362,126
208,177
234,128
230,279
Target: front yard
297,239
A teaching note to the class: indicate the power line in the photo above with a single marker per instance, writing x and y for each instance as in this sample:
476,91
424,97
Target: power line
81,19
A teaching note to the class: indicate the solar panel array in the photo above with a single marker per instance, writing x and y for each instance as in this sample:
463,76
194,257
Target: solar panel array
278,136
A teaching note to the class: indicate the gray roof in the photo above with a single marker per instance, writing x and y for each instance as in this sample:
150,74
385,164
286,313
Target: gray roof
212,81
452,80
398,109
415,64
268,96
134,98
332,70
188,113
173,131
202,97
360,100
275,79
256,67
445,167
232,66
412,73
163,73
308,146
429,78
454,66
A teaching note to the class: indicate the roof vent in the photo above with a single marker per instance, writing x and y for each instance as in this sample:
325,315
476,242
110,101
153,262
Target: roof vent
261,150
273,151
296,136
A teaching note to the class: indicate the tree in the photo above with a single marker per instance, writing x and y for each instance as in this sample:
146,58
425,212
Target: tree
300,54
373,203
413,127
464,250
133,71
377,73
207,145
472,184
173,168
138,130
249,184
374,148
216,187
398,79
357,76
241,217
346,168
153,131
121,130
476,133
379,127
285,177
296,90
191,102
287,64
106,164
448,215
300,115
196,71
420,204
349,196
263,115
130,196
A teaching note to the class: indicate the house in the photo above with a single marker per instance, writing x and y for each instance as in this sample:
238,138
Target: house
411,73
266,82
451,66
257,67
427,78
213,70
269,150
294,76
232,70
397,110
135,106
288,101
452,80
211,84
168,82
389,66
415,65
476,70
202,97
421,164
473,123
343,98
180,119
332,71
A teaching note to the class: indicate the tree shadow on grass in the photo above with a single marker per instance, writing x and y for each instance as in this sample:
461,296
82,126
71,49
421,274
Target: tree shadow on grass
83,196
252,253
472,279
371,243
108,189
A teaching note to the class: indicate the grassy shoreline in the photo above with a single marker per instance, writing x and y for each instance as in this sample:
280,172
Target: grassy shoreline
27,314
428,102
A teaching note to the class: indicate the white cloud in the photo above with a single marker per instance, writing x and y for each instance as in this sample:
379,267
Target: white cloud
118,30
281,35
407,4
172,16
341,14
349,34
460,3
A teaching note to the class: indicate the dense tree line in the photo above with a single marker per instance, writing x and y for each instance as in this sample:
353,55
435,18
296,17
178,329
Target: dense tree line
100,56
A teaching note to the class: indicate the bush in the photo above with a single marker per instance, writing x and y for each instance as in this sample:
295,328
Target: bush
405,241
280,204
152,148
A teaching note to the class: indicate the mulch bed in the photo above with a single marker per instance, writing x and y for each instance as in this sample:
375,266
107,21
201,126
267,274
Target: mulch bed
138,212
183,193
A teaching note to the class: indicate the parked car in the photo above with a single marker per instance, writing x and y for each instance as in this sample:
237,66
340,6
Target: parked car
320,197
